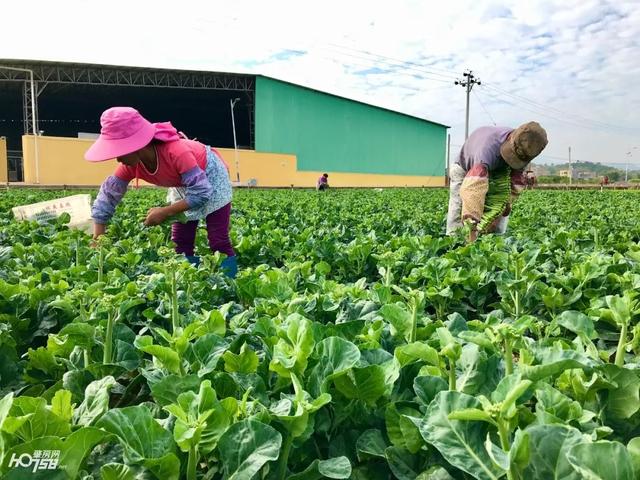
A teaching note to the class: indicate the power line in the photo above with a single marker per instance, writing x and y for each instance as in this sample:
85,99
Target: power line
577,120
499,93
426,69
549,107
569,118
483,107
449,74
538,108
373,65
376,64
377,59
540,111
406,87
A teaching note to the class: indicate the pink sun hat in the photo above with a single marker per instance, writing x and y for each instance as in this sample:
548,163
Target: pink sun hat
123,131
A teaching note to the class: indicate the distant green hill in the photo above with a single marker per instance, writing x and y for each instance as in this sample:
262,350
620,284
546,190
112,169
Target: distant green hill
597,168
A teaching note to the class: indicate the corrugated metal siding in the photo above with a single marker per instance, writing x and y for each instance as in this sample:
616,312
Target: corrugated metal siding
334,134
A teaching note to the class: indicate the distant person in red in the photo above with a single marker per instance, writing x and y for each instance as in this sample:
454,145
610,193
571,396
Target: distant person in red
531,179
323,182
605,180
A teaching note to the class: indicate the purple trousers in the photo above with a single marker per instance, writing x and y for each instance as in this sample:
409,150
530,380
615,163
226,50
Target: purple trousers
184,234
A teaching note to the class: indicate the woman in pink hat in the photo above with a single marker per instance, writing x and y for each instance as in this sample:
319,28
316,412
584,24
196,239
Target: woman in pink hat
196,175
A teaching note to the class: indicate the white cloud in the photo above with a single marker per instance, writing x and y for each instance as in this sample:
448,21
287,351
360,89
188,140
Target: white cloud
578,58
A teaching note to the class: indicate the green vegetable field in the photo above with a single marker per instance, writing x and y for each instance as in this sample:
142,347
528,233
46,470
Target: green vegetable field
356,342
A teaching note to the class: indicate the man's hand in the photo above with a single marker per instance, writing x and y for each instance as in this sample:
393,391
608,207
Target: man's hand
98,230
155,216
494,225
473,235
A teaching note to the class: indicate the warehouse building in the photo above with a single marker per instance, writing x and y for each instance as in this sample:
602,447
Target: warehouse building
271,133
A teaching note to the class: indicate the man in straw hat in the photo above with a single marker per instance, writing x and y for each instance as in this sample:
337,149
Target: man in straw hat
499,154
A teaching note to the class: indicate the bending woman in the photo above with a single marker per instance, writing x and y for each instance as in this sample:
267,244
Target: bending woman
196,175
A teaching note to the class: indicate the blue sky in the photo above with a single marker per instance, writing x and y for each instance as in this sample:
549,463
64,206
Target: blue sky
571,65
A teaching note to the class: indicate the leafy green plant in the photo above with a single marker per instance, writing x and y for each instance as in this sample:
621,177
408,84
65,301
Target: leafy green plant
356,342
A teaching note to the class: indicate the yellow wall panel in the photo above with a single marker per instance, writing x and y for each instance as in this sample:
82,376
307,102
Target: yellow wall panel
268,169
280,170
4,168
61,162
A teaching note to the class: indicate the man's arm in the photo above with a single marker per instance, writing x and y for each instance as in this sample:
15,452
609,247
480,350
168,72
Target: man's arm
473,192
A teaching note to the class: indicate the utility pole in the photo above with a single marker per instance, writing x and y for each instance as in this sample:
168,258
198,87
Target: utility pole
232,103
626,170
469,81
34,116
447,173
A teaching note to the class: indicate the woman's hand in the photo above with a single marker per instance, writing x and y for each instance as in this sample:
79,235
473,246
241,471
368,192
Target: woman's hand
155,216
